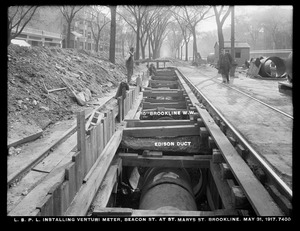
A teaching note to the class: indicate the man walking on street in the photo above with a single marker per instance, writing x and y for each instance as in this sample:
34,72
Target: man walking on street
225,63
129,64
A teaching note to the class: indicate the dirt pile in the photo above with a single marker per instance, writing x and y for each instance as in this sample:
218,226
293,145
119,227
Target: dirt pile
34,70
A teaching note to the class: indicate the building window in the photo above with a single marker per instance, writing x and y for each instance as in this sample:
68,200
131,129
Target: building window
89,35
48,39
22,36
35,37
238,54
89,46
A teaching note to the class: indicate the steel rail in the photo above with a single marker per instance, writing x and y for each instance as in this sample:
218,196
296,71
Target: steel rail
269,106
270,172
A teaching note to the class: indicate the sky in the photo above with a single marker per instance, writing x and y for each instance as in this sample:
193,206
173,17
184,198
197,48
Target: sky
210,24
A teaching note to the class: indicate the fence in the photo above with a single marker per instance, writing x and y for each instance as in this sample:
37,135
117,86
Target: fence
97,141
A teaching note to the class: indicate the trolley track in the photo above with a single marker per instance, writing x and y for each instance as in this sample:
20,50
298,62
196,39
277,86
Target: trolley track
260,161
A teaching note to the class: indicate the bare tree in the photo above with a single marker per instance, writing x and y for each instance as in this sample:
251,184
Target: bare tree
112,44
97,21
193,15
145,27
69,13
220,22
186,33
138,13
157,31
175,38
18,18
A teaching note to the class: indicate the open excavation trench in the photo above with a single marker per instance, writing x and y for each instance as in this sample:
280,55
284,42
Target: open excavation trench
166,158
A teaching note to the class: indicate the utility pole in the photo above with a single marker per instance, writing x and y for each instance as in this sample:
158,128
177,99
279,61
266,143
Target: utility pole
232,33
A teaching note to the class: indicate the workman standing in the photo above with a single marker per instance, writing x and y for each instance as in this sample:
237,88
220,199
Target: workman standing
129,64
224,64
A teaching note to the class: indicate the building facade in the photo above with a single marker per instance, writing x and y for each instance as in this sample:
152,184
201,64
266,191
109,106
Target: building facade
36,37
51,30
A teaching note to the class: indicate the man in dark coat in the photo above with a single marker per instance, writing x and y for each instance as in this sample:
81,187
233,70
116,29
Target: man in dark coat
129,64
225,63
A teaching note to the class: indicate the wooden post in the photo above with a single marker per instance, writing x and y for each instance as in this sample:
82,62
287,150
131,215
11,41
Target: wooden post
78,171
120,105
81,143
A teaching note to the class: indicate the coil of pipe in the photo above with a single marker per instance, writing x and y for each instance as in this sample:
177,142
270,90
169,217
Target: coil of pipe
167,188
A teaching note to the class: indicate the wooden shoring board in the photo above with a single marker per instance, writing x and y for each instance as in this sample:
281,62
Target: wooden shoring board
223,189
168,78
148,105
260,199
181,144
133,159
153,123
162,93
162,82
128,212
37,195
95,176
131,113
108,183
88,190
49,163
162,131
150,100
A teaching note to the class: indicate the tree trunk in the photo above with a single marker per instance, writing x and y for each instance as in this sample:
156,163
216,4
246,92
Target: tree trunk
68,35
186,51
113,10
194,45
221,39
137,50
97,45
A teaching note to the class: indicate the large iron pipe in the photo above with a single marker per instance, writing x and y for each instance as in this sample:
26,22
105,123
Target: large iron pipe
167,188
265,70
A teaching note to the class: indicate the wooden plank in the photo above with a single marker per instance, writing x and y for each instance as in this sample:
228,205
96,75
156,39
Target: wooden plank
106,186
162,93
135,107
46,206
81,140
65,202
15,142
151,100
56,195
223,189
88,161
78,171
93,146
70,176
163,131
34,197
104,123
49,163
120,106
257,195
153,123
133,159
16,165
101,139
85,195
127,212
183,144
147,105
